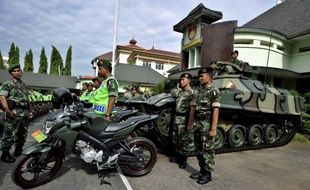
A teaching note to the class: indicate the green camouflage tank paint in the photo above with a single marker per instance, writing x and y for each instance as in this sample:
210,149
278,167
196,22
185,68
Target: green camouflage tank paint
252,115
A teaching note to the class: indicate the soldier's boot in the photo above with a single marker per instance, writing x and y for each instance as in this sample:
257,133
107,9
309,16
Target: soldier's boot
206,178
6,157
197,175
183,162
18,151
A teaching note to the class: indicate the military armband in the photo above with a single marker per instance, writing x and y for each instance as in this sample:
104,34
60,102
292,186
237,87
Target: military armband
216,105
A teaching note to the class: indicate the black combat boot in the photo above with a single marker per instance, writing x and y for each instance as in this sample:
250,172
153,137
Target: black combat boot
18,151
206,178
197,175
6,157
183,162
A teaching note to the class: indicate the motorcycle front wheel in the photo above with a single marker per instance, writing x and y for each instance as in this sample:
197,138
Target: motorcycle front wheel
29,171
147,151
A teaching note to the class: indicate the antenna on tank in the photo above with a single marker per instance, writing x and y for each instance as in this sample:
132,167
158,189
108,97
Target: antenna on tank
268,55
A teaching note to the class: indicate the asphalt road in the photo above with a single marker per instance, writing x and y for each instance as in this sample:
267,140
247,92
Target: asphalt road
282,168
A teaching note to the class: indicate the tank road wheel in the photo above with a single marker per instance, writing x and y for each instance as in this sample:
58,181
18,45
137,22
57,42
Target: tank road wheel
164,120
270,134
255,135
236,137
219,139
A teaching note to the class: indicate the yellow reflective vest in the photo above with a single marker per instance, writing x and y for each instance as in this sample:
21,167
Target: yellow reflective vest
100,98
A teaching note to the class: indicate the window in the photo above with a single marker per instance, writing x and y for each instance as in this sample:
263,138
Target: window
147,64
304,49
159,66
265,43
243,41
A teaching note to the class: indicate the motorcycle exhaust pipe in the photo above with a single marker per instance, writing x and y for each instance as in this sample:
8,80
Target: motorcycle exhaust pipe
128,159
98,144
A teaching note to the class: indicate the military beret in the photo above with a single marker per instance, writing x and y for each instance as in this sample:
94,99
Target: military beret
13,66
208,70
186,75
104,62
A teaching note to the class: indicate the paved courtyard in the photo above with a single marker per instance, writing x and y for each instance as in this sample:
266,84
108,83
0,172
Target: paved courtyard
282,168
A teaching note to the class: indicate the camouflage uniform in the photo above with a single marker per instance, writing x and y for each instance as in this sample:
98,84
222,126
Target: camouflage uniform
15,91
238,62
183,139
204,100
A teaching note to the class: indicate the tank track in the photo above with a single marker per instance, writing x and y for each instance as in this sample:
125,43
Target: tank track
283,140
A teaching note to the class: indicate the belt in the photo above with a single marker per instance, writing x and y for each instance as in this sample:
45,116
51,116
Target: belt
202,116
181,114
22,107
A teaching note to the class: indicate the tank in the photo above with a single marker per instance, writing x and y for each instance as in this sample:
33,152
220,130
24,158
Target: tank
252,115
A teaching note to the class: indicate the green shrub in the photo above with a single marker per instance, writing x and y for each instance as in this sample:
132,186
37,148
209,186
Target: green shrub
301,138
164,86
294,92
307,97
307,108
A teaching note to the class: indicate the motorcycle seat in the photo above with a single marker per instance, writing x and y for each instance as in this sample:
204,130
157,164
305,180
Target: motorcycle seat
112,127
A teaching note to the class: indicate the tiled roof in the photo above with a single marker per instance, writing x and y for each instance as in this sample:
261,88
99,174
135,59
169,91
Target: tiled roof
168,53
291,18
44,81
137,74
206,15
107,56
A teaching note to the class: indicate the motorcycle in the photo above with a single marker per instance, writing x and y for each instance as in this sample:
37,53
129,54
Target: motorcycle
74,130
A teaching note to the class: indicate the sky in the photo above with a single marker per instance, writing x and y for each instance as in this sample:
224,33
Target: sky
88,25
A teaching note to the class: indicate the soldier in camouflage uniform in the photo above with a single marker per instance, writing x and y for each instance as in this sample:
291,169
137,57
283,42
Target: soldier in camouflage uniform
204,111
13,95
234,58
182,138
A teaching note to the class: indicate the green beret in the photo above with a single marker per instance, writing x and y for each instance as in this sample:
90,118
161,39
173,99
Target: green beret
104,62
208,70
13,66
186,75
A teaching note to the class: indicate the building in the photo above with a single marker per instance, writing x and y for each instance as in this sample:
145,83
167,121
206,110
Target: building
278,39
159,60
41,81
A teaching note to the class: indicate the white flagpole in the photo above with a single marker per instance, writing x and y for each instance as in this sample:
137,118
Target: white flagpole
115,35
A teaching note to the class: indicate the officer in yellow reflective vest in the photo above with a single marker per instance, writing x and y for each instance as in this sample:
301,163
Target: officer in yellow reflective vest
96,83
107,93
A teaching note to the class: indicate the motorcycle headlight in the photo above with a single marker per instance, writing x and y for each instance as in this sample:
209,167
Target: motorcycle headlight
47,127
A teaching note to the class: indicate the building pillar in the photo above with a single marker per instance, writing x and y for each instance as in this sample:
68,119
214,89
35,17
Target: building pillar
191,58
197,57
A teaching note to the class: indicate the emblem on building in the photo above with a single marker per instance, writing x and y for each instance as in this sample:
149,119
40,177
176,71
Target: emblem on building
192,32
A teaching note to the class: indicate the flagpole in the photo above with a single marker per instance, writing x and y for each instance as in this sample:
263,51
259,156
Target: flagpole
115,35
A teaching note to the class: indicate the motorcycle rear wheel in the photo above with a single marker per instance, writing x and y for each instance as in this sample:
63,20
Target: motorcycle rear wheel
42,171
147,151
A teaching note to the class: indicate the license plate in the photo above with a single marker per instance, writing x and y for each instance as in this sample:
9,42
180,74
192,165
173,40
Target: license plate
38,136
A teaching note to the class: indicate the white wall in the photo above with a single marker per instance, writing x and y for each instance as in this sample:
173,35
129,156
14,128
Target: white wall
123,57
254,49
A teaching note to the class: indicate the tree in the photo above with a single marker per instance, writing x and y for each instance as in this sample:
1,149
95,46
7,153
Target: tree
1,62
16,55
25,62
43,62
11,54
28,66
68,62
56,62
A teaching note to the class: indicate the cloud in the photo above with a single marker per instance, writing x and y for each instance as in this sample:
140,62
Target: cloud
88,25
